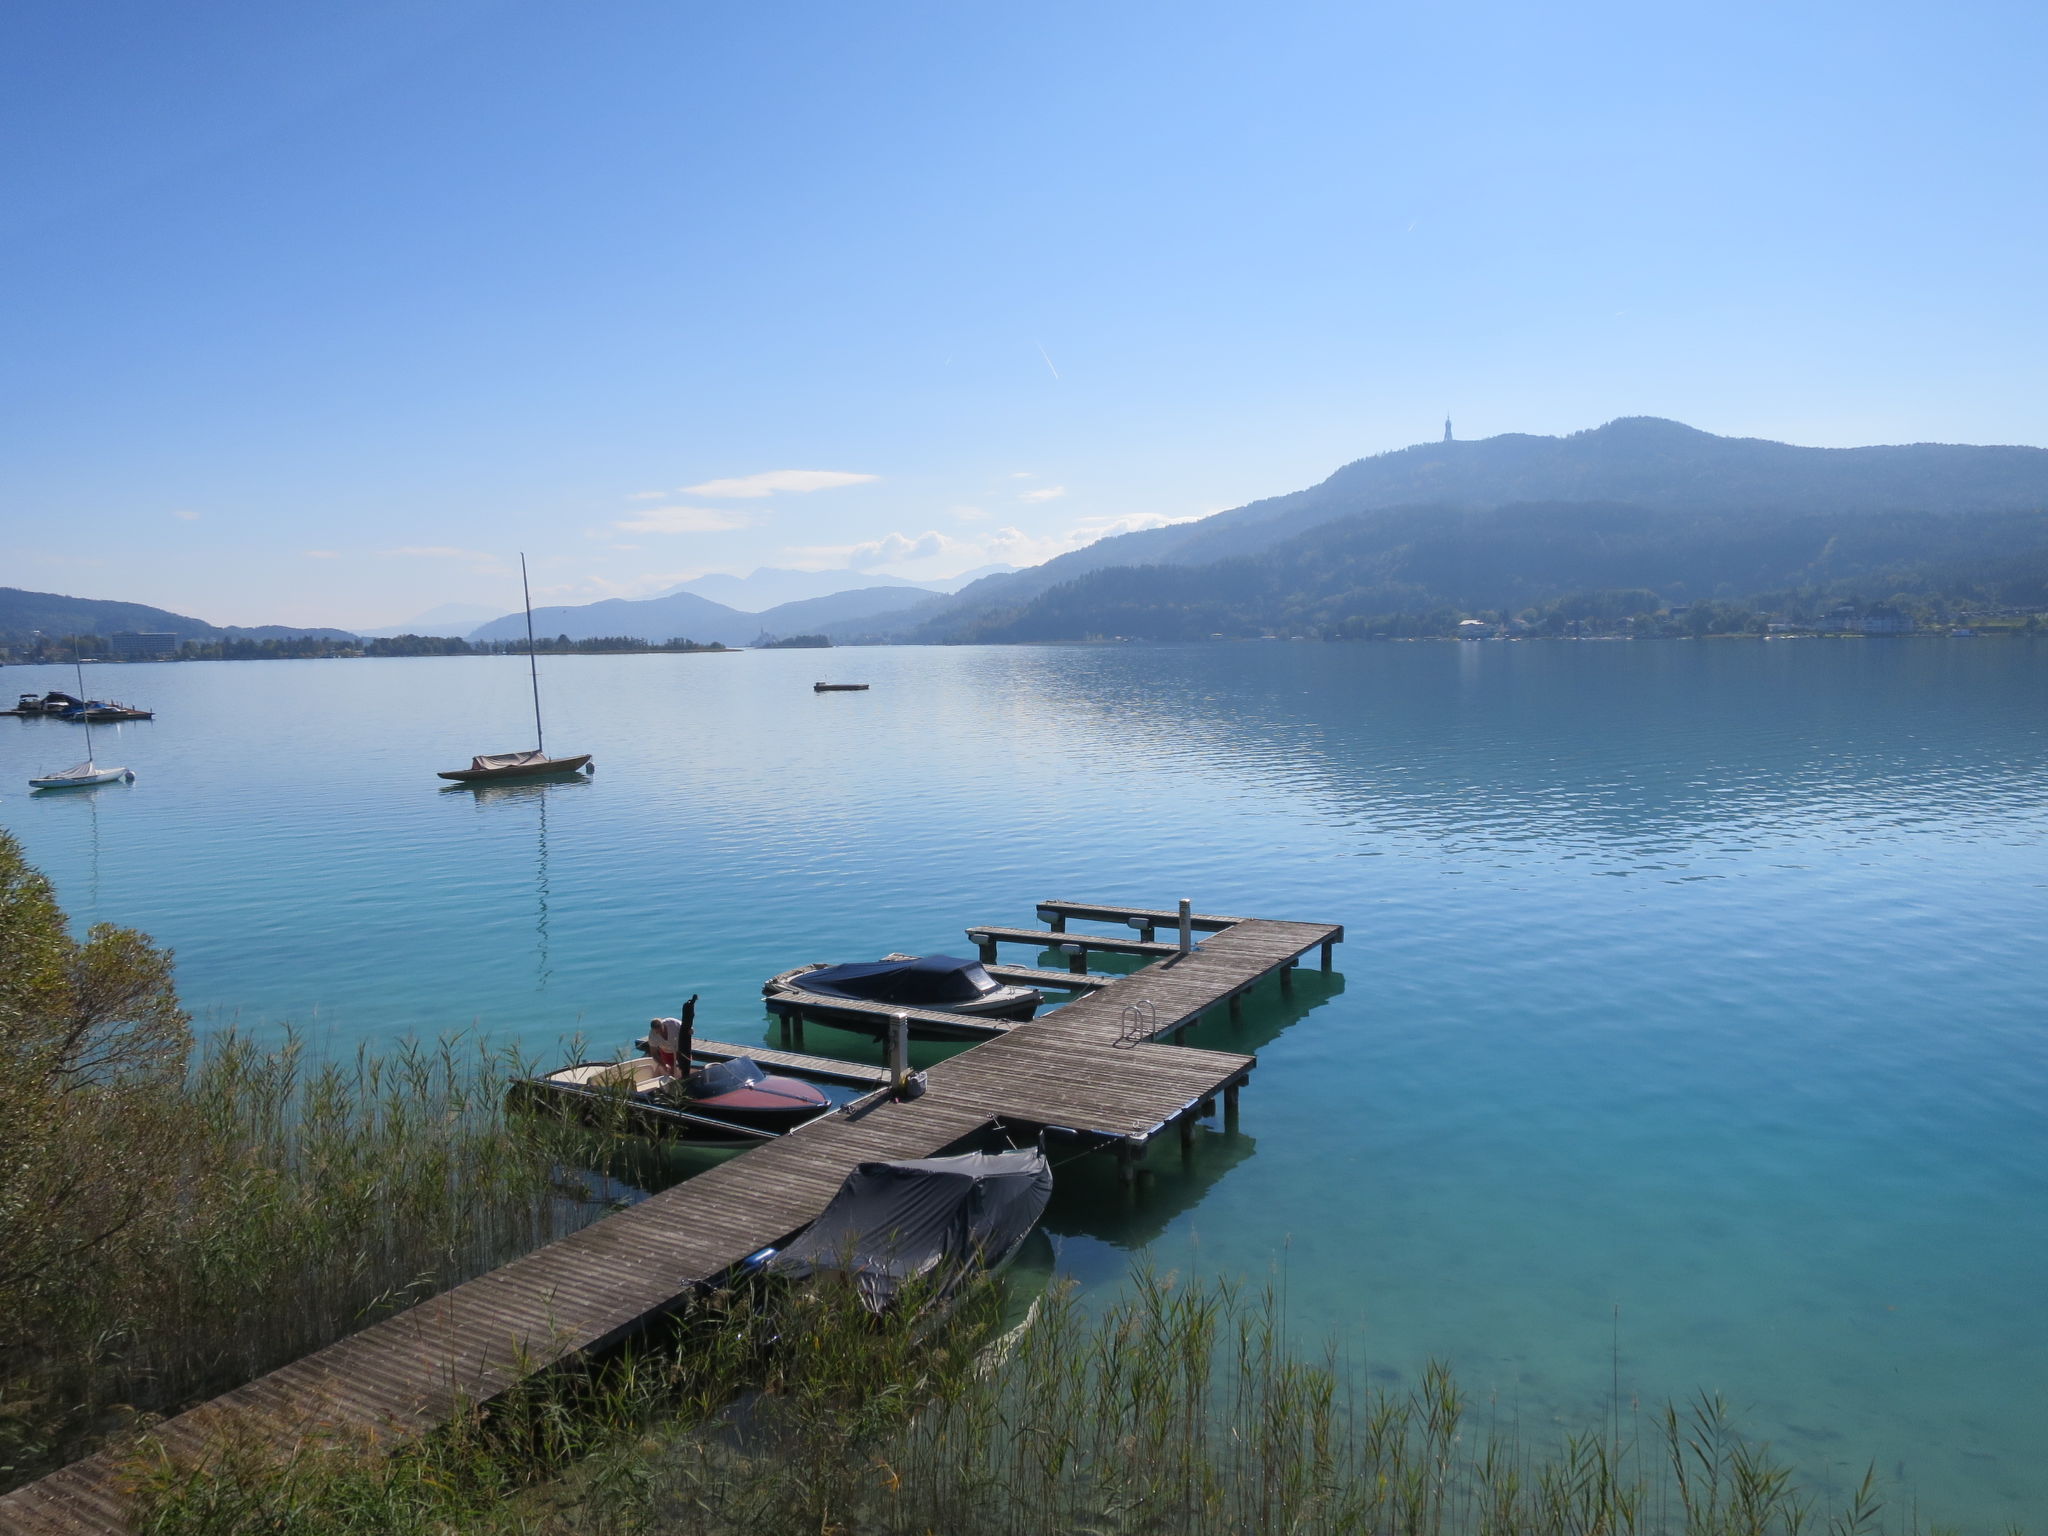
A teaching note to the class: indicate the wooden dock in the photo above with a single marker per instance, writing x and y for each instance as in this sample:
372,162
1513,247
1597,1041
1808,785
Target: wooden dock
1093,1070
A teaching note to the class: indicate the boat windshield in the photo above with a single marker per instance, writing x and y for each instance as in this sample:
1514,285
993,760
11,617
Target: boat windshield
932,981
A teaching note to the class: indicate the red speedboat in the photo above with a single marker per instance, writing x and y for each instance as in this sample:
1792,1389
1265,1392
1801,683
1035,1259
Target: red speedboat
665,1093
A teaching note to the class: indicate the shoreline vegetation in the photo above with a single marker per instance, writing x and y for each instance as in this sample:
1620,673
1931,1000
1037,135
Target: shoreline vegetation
1447,627
178,1218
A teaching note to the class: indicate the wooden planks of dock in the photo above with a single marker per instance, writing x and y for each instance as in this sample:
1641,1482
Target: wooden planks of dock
1093,1069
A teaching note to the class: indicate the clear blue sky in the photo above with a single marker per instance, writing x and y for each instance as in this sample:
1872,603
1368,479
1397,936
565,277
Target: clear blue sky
315,312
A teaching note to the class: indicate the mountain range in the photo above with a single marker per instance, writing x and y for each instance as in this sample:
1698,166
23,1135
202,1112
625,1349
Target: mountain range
1514,520
23,613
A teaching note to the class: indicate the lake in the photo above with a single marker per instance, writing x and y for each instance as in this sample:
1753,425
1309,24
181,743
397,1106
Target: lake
1690,1030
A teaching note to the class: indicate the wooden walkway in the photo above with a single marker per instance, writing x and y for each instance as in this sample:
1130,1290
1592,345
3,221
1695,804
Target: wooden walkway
1083,1071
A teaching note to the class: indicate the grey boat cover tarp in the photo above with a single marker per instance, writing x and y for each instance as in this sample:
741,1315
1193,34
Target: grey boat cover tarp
891,1222
929,981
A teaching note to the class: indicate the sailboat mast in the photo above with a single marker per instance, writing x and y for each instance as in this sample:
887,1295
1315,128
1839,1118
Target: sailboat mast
85,715
540,743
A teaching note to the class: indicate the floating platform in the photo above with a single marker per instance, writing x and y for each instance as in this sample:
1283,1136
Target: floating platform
1095,1071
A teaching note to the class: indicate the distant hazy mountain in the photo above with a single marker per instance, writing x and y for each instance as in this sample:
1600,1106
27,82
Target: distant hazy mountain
814,615
684,615
447,619
771,586
1640,461
677,616
23,613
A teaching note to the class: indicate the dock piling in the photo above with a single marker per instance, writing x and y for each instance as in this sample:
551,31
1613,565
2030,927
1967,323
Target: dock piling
899,1052
986,944
1077,959
1329,953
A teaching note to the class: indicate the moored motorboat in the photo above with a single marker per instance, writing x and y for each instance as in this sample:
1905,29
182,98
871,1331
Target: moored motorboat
839,687
105,712
929,1222
927,983
667,1094
51,703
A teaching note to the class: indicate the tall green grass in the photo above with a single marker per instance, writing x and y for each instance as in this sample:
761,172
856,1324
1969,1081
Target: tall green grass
291,1202
1178,1408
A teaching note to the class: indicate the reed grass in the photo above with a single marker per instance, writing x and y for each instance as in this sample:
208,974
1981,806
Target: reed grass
291,1202
1177,1408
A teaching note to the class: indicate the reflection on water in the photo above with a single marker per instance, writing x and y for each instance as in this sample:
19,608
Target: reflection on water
1700,981
532,795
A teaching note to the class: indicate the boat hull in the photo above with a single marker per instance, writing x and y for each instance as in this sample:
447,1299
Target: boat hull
552,767
81,780
772,1107
1011,1004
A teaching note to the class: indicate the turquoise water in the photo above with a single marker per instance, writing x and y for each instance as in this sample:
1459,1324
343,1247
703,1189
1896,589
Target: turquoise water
1690,1025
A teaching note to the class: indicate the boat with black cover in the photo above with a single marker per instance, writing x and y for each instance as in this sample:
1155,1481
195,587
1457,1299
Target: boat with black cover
937,983
929,1221
665,1093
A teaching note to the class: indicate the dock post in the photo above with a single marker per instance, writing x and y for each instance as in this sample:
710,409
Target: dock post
986,945
899,1051
1208,1108
1144,925
1237,1007
1187,925
1230,1106
796,1028
1329,952
1077,959
1056,922
1127,1155
1287,974
1187,1135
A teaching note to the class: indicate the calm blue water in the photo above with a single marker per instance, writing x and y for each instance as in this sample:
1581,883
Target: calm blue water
1693,1002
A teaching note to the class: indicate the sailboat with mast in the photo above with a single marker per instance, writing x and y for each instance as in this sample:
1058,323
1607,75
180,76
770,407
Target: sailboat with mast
522,765
88,772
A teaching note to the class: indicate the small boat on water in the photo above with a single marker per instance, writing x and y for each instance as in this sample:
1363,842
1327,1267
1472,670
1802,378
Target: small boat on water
667,1094
839,687
930,1220
105,712
51,703
940,983
81,775
522,765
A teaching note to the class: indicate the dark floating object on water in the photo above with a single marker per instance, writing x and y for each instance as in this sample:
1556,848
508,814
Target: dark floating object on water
663,1094
106,712
839,687
522,765
937,1219
941,983
51,703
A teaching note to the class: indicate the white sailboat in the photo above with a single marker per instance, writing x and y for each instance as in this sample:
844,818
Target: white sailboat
521,765
88,772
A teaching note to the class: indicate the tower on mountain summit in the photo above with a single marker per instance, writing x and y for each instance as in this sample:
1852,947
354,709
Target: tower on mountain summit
1447,429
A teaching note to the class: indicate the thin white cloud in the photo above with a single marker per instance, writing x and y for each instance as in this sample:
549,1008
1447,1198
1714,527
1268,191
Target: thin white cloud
1044,493
184,515
923,553
1022,474
767,483
481,562
322,554
970,514
684,520
648,496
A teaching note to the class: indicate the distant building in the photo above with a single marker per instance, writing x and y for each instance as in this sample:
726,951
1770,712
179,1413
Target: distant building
148,645
1883,624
